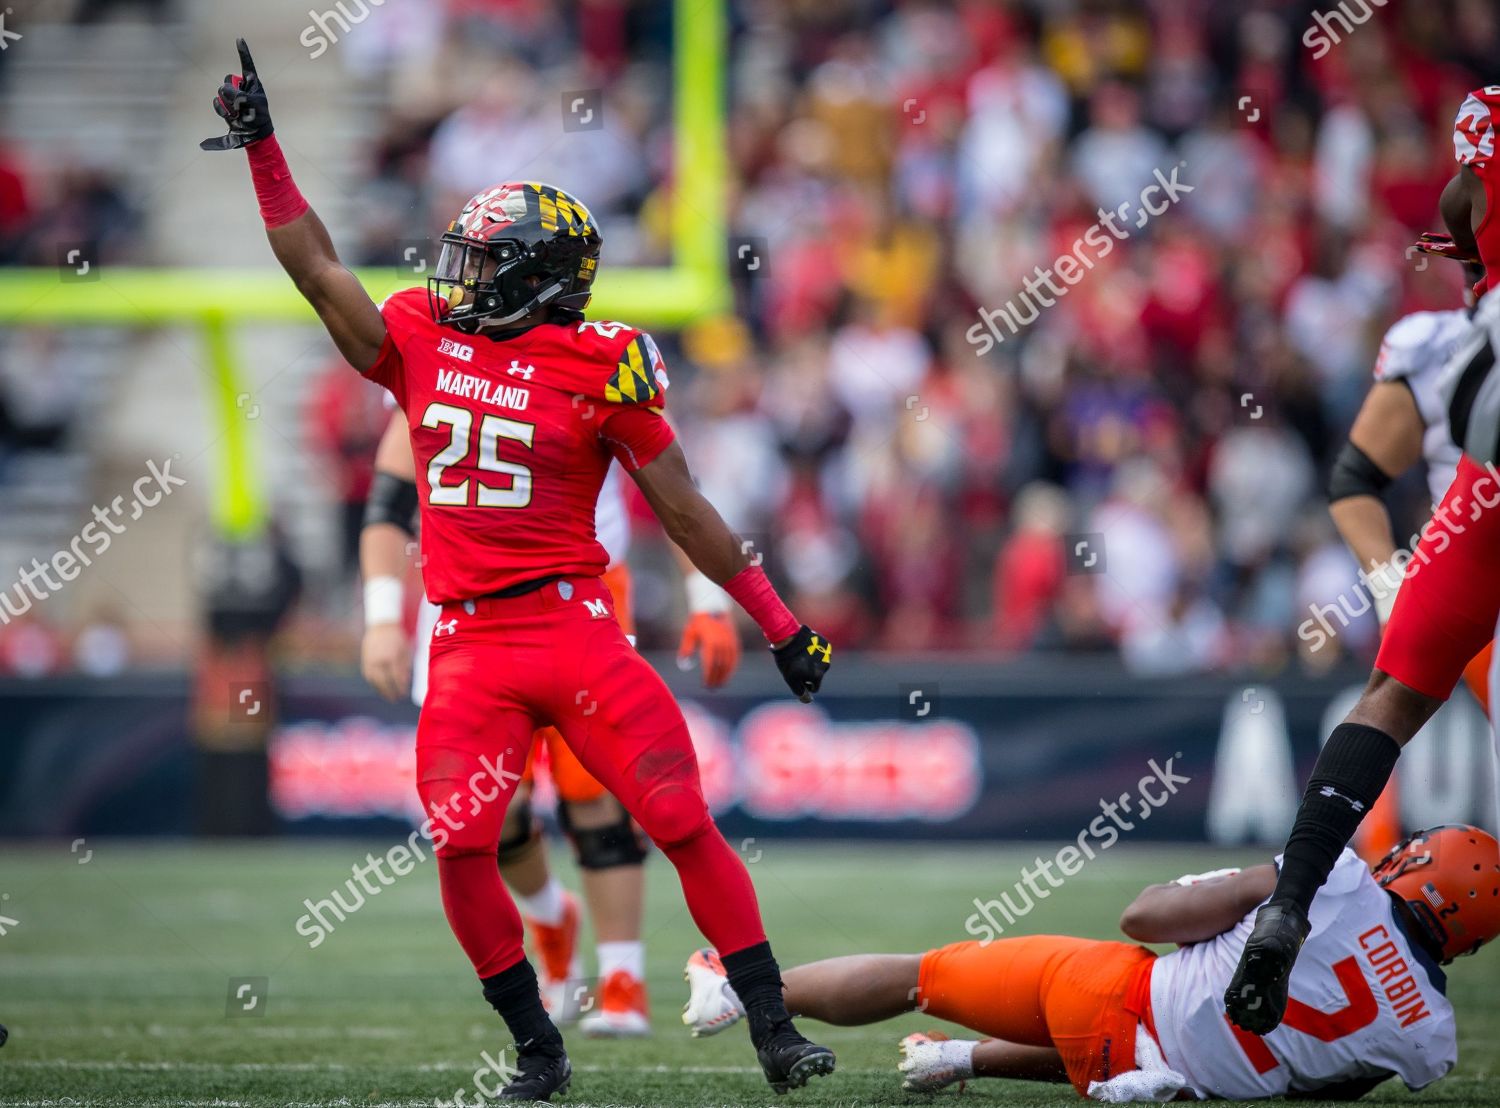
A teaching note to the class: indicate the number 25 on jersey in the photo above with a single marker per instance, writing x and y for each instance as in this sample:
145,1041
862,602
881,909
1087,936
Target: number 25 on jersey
492,428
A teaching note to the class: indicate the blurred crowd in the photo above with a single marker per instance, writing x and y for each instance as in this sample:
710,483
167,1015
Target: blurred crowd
1137,469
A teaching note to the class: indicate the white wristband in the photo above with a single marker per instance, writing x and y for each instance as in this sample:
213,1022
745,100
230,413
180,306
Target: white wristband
704,596
384,601
1384,583
1195,878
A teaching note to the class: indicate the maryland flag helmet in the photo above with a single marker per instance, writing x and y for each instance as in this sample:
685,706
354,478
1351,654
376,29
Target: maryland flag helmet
514,248
1450,876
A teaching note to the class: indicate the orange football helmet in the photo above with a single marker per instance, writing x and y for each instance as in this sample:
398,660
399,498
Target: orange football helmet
1450,876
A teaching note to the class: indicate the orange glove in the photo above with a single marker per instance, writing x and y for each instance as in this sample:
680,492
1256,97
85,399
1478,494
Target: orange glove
712,636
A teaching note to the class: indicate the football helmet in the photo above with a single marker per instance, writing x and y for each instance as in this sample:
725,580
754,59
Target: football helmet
1450,876
514,249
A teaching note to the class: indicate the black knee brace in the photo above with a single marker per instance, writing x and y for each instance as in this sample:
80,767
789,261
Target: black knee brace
616,844
515,847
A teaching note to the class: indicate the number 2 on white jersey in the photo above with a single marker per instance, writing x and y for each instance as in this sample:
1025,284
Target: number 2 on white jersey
492,429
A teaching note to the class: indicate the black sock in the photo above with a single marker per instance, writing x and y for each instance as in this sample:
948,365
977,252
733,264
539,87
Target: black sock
514,994
1348,779
756,979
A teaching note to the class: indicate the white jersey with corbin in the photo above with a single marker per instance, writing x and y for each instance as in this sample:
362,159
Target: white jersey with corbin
1365,1003
1414,351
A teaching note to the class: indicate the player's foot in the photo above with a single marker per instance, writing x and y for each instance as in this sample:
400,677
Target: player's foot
1257,995
789,1060
620,1010
559,963
712,1004
931,1061
539,1075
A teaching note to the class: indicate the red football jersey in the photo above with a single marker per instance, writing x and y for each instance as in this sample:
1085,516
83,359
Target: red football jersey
512,440
1474,146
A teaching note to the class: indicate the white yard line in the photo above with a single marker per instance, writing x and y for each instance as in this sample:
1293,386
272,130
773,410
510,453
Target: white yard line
337,1067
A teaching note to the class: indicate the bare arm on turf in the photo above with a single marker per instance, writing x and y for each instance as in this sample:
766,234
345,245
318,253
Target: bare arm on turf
1194,913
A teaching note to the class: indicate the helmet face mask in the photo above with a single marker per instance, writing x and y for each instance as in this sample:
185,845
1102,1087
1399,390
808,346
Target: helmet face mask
1449,876
514,250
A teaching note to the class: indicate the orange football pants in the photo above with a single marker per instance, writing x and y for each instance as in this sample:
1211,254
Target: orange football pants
1081,996
574,784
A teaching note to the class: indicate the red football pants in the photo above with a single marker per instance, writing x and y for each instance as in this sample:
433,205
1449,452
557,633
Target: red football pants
500,669
1446,610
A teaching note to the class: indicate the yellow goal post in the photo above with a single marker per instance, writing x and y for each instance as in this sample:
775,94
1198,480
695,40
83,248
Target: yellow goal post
216,301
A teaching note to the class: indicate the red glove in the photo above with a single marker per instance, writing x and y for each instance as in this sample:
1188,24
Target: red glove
1440,245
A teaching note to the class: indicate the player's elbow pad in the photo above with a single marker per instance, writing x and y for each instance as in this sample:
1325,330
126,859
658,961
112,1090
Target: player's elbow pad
392,500
1354,473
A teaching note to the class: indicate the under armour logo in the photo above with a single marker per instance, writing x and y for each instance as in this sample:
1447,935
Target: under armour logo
818,646
598,609
442,628
1329,792
518,370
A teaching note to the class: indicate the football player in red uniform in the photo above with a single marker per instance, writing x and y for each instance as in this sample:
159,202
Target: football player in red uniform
516,406
1445,613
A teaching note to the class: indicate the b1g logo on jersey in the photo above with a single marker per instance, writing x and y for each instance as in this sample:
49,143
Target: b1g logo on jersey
459,350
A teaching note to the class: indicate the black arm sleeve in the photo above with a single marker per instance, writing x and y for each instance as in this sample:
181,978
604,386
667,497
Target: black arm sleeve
1354,474
392,500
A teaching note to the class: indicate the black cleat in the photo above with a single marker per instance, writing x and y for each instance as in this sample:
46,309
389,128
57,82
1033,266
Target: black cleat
539,1076
1257,995
789,1060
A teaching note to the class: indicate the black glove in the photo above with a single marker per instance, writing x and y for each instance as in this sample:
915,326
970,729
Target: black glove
242,104
803,661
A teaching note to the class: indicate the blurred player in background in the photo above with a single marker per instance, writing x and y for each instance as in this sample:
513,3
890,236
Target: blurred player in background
606,845
516,407
1403,420
1444,614
1122,1024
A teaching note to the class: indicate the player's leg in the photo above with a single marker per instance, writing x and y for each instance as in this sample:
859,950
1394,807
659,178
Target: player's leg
854,989
611,858
1034,995
611,864
1444,614
611,861
548,910
522,853
1081,997
998,1058
618,716
472,743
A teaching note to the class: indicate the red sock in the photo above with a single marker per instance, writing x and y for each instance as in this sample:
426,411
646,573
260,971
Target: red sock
717,888
480,911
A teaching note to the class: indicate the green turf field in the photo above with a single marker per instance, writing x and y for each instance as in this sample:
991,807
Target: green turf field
115,976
